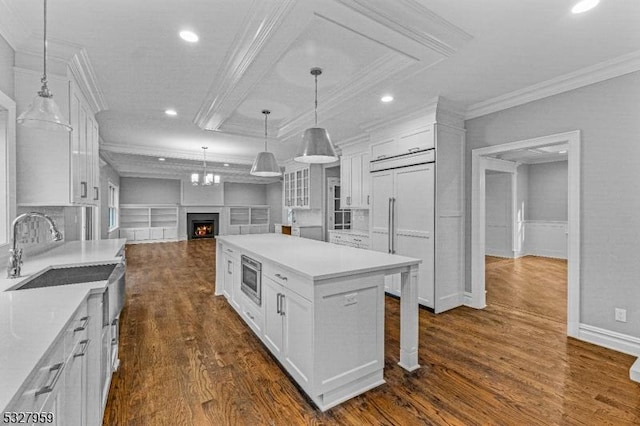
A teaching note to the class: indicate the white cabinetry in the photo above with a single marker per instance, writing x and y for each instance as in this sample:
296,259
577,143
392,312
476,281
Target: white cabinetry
57,168
288,328
148,222
349,239
417,201
302,187
248,220
354,181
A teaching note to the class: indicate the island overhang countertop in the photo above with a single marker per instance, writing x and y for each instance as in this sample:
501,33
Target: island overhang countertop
316,260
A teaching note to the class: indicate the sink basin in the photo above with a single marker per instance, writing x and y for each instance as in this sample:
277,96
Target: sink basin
73,275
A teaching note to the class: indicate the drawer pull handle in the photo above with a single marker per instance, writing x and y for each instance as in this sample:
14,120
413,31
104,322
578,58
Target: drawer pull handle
380,157
85,321
49,387
281,303
83,194
282,277
85,344
412,150
250,316
97,194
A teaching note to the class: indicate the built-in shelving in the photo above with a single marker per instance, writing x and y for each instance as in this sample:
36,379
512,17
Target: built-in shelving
139,222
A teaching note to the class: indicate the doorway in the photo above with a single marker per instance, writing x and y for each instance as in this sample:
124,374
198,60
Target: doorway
484,159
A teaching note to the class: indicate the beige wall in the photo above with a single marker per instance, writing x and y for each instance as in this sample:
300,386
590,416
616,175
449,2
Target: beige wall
608,115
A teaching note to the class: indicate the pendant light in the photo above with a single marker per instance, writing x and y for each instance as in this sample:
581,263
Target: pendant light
207,178
43,112
265,164
316,145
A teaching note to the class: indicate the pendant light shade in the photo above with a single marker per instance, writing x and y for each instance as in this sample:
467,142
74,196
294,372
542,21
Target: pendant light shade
43,112
265,164
316,146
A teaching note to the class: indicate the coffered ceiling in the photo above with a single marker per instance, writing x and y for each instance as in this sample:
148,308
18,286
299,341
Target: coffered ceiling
256,54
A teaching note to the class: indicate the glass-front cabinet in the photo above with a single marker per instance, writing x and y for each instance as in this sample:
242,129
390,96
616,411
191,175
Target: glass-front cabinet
302,186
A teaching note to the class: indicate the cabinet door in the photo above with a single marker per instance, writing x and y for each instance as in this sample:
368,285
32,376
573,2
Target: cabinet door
55,403
95,158
228,276
345,181
381,192
76,155
414,224
299,189
364,180
82,163
297,314
75,406
272,294
356,181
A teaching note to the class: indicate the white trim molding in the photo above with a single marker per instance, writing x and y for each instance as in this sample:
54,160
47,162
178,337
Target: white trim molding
609,339
634,372
612,68
478,219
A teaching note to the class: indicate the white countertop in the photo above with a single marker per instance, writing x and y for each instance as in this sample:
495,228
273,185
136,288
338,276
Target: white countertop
31,320
316,260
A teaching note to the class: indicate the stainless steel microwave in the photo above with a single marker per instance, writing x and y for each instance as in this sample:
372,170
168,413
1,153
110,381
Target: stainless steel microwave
251,283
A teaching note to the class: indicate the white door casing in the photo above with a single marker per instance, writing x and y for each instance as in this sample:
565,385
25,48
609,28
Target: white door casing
477,297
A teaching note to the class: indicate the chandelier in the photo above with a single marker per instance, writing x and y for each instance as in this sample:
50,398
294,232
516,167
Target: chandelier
207,178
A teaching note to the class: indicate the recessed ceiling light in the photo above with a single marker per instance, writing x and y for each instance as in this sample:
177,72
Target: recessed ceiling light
189,36
171,112
161,159
584,5
386,98
226,164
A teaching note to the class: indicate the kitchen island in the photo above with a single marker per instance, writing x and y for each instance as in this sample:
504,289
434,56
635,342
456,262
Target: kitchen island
320,309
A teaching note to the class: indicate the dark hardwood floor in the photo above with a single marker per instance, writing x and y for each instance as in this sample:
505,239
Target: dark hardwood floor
537,285
188,359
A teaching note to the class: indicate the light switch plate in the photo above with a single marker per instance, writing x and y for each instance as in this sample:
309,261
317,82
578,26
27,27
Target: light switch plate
621,315
350,299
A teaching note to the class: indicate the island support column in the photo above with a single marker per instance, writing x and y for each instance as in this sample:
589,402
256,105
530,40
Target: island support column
409,319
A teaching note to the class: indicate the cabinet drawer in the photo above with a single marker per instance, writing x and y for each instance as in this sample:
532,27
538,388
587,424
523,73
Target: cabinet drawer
288,279
252,314
42,381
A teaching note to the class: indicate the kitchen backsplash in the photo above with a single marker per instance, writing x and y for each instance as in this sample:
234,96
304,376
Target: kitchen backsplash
360,220
307,217
33,233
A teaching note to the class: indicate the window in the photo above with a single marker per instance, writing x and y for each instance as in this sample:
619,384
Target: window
114,203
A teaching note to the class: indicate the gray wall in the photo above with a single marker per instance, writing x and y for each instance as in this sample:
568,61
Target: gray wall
607,113
548,191
244,194
7,59
149,191
274,200
107,174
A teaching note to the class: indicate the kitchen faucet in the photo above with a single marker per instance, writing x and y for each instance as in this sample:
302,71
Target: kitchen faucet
15,255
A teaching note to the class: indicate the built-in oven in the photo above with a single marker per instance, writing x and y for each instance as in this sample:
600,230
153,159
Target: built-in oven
251,283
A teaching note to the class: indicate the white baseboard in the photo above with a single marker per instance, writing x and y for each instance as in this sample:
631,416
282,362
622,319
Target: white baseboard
610,339
498,253
634,373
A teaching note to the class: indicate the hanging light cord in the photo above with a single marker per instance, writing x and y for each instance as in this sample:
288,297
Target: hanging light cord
44,91
316,104
204,161
266,114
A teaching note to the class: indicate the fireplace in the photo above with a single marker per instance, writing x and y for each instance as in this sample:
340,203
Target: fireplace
202,225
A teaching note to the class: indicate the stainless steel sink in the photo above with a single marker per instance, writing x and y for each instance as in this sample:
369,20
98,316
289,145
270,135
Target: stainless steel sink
73,275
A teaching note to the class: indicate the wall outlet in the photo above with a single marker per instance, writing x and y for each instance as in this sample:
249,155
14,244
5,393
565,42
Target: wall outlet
350,299
621,315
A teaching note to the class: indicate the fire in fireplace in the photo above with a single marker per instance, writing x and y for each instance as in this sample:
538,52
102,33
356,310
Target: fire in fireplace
202,225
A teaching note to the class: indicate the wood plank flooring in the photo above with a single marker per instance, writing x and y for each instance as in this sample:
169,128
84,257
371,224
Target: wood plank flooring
188,359
537,285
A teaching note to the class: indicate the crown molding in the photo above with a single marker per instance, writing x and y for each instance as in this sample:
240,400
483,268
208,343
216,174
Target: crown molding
331,104
442,37
261,24
616,67
85,77
436,110
12,28
173,153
